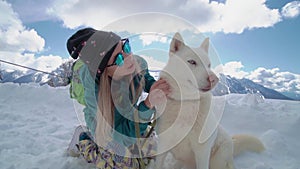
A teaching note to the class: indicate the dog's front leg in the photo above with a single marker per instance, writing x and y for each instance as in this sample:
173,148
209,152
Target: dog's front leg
159,161
202,155
202,152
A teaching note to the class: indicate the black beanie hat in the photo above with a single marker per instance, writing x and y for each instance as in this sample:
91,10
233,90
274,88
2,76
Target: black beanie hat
93,47
77,40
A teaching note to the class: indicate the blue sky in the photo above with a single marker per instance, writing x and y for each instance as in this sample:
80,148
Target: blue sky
257,39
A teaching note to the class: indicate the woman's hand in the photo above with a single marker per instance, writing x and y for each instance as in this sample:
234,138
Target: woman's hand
158,93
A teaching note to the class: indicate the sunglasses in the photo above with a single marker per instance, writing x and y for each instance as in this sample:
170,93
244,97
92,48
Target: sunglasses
119,58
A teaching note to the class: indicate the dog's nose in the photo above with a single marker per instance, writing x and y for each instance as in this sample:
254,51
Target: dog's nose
212,79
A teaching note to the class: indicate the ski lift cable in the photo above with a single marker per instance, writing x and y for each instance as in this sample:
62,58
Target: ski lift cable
26,67
49,73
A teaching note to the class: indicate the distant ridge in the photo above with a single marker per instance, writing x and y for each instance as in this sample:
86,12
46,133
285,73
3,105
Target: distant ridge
230,84
226,85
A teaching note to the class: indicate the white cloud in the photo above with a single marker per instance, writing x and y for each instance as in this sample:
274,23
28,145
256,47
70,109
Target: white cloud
291,9
234,69
43,63
19,45
271,78
31,10
234,16
14,36
47,63
276,79
153,64
147,39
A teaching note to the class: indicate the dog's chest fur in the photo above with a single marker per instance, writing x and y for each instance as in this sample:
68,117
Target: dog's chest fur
185,113
185,118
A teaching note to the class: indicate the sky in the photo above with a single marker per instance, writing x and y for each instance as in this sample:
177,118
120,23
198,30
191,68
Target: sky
257,39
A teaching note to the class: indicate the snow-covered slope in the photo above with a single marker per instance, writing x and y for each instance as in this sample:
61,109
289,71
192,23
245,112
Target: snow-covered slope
37,122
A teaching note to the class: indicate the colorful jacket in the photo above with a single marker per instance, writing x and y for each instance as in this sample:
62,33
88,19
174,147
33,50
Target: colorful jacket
123,122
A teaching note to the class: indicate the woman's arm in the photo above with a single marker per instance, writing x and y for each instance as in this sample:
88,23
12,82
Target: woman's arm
90,98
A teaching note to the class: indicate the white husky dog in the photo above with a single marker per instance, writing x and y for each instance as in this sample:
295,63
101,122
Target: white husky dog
183,117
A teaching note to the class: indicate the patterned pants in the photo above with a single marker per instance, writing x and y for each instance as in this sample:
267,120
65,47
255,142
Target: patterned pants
105,159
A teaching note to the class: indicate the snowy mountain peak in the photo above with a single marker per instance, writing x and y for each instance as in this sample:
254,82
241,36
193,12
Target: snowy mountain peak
230,84
62,75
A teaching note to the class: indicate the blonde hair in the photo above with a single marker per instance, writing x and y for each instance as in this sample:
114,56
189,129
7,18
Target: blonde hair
106,107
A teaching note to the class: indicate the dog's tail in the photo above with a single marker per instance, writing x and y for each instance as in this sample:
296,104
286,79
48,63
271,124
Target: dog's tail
242,143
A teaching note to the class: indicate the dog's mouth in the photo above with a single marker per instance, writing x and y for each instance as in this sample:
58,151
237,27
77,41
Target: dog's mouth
205,89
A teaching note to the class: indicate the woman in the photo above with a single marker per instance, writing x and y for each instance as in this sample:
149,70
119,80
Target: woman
113,80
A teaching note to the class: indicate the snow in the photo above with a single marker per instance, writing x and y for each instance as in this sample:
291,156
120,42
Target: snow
37,123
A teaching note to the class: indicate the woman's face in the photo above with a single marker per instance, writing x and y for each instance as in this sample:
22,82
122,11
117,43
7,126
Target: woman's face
117,72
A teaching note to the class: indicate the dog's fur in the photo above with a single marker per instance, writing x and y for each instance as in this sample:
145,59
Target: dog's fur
186,112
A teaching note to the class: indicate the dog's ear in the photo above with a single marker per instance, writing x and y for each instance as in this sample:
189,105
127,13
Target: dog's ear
205,45
176,43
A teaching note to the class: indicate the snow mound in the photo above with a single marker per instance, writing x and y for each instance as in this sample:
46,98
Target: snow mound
37,123
275,142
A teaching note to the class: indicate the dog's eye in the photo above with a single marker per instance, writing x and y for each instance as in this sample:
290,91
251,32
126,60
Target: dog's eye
209,65
192,62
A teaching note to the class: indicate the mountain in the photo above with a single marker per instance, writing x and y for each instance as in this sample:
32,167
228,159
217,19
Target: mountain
292,95
61,77
58,77
18,76
230,84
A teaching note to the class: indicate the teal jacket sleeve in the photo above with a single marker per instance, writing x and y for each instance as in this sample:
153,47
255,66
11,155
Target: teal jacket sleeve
90,90
124,124
144,112
149,80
